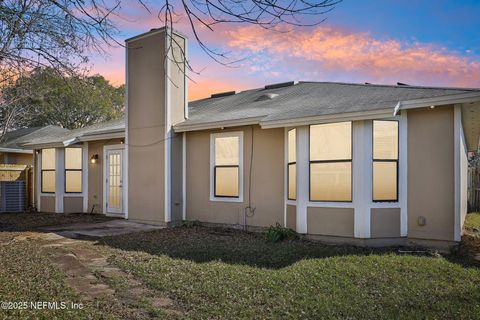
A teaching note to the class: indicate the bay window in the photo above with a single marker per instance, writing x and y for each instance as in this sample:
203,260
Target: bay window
73,170
48,170
385,160
331,162
292,164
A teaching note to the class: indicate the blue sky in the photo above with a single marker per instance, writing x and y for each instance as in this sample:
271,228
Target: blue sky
419,42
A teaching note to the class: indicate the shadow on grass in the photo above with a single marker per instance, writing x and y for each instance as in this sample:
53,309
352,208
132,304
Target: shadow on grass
203,244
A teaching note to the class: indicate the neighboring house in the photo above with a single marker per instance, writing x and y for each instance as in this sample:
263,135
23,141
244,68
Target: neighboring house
358,163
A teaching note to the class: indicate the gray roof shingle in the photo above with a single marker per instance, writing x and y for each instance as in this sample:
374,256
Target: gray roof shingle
307,99
66,135
16,139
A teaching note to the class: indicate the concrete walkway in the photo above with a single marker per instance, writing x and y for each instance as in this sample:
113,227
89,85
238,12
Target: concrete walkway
100,229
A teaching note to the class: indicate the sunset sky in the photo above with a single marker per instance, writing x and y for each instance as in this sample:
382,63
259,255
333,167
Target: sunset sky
418,42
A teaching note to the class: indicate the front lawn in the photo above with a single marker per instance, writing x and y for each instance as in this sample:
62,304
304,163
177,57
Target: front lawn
205,273
215,273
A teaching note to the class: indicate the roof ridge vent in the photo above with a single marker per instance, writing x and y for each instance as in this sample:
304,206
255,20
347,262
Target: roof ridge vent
223,94
280,85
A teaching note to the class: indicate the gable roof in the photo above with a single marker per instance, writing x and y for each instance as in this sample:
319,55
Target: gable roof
14,141
304,100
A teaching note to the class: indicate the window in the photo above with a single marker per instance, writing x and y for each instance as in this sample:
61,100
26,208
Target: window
385,160
48,170
226,166
73,170
331,162
292,164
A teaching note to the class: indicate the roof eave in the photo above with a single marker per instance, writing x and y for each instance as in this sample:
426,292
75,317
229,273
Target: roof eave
217,124
441,100
349,116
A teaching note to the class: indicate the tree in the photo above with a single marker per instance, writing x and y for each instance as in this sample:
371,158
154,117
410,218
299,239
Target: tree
60,34
44,97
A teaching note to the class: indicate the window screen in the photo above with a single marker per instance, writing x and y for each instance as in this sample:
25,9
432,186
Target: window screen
292,164
331,162
73,170
385,160
226,167
48,170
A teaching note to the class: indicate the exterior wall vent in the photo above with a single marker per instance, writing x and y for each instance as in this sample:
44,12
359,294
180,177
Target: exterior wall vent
223,94
280,85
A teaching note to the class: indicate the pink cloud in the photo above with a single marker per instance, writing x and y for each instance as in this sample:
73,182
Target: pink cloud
335,50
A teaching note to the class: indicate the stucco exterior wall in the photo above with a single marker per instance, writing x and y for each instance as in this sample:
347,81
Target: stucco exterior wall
330,221
385,222
291,217
47,203
177,78
431,173
72,204
146,128
267,179
95,174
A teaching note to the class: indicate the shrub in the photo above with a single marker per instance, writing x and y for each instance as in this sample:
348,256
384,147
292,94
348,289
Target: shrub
278,233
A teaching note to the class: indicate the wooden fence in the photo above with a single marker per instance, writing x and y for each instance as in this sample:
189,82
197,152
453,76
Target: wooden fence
473,189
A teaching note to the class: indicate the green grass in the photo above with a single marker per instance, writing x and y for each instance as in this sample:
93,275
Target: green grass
228,274
472,222
27,275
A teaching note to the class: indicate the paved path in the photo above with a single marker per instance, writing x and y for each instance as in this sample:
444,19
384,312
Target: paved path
100,229
89,271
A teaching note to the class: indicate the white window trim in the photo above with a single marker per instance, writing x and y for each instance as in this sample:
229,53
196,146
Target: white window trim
213,136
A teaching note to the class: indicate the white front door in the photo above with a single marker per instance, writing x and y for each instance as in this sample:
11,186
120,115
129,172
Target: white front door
114,181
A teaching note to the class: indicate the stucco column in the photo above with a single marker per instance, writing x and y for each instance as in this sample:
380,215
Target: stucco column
362,177
302,178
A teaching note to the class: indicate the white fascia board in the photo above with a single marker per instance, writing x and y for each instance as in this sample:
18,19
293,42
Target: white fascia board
45,145
442,100
349,116
13,150
217,124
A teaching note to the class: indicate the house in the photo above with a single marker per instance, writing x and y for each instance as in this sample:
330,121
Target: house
351,163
